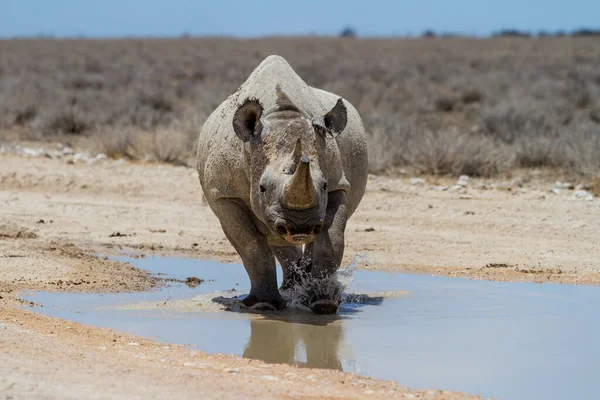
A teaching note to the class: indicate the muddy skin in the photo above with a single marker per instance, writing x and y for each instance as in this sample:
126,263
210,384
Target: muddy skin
282,165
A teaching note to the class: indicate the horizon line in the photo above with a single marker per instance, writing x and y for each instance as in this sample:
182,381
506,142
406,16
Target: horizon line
426,33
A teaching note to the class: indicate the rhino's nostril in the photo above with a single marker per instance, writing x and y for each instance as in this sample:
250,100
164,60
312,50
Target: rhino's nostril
318,228
280,228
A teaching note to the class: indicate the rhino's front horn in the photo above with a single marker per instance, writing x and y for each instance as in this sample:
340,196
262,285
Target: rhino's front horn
299,192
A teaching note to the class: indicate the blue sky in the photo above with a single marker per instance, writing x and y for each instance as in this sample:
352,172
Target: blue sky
252,18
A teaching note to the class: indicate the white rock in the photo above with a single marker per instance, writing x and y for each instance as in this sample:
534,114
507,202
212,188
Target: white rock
416,181
517,182
583,195
555,191
68,150
32,152
269,378
563,185
504,186
101,156
53,154
463,180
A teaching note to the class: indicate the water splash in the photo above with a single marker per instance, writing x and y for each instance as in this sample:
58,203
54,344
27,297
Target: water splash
311,288
346,275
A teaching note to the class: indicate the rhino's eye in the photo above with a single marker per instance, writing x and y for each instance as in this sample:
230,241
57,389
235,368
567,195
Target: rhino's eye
324,186
262,189
321,130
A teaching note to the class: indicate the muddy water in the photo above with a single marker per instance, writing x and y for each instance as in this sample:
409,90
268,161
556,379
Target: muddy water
503,340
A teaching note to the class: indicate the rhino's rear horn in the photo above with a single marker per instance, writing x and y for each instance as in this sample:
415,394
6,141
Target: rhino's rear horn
246,120
297,153
299,191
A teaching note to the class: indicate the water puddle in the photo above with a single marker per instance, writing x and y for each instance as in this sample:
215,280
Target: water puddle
503,340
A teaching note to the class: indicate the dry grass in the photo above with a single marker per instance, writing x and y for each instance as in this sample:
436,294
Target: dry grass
443,106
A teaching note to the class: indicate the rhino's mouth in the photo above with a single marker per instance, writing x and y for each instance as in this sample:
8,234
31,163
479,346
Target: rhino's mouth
300,238
295,234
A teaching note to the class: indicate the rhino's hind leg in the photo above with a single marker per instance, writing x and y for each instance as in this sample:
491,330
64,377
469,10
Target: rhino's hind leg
290,258
256,255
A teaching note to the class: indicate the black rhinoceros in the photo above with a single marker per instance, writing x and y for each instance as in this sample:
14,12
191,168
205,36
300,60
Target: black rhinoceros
283,166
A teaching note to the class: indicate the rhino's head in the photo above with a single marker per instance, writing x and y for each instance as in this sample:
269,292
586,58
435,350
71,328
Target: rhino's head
286,150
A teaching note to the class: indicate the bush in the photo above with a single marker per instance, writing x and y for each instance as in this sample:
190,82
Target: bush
172,147
512,33
446,106
67,121
129,143
348,32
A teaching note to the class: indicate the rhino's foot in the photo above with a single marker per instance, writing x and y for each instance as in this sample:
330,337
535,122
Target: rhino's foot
261,303
324,306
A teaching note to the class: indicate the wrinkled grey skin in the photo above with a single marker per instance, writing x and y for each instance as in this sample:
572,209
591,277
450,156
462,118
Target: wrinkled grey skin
283,165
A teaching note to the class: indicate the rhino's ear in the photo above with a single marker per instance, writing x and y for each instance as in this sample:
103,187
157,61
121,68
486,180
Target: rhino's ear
246,120
335,120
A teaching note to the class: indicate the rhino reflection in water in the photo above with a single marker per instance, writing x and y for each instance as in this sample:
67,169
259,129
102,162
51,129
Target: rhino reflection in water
276,341
283,166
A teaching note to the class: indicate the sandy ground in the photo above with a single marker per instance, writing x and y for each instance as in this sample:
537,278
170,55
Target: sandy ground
56,217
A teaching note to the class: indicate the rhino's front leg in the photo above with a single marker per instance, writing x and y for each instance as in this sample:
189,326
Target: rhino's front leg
251,245
290,258
327,250
325,254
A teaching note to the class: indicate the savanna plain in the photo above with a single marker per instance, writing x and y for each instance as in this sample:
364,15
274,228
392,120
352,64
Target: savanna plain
484,158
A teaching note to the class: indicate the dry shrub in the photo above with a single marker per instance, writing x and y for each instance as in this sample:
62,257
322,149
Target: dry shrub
70,120
163,144
445,103
510,121
386,143
450,152
435,150
534,150
18,109
419,98
578,150
129,143
471,96
595,186
172,147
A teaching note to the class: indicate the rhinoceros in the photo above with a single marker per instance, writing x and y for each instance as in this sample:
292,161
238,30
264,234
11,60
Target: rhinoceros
283,166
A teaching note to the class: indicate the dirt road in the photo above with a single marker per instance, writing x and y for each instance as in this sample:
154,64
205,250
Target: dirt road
55,215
